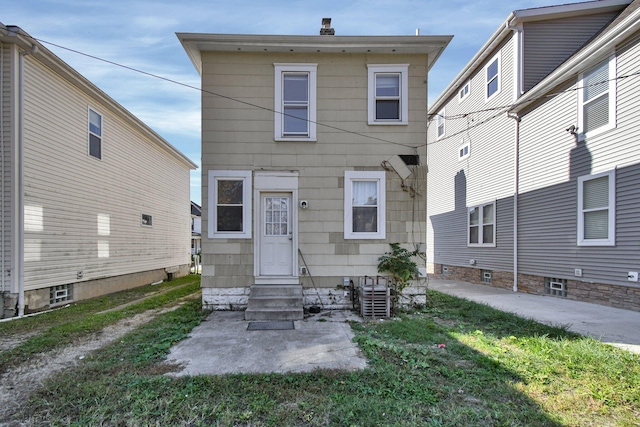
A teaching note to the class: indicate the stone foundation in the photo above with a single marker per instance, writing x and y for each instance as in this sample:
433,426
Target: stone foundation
225,298
625,297
8,305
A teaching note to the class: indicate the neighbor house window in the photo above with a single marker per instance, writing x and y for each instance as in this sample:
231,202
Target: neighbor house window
388,94
463,151
147,220
229,204
597,99
464,91
95,134
295,102
482,225
364,205
492,74
440,123
597,209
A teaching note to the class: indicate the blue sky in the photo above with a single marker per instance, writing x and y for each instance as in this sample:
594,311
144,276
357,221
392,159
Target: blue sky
141,34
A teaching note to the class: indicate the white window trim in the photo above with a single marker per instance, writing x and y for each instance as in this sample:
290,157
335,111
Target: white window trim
464,95
244,176
480,231
380,178
440,122
611,240
403,70
278,106
89,133
464,156
612,94
498,56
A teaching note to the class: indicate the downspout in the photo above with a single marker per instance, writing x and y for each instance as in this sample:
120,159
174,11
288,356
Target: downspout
2,171
516,190
518,90
20,174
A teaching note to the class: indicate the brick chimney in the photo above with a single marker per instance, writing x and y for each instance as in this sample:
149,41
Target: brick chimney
326,29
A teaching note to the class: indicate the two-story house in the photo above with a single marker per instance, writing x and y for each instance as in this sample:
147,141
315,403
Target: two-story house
92,201
533,157
313,152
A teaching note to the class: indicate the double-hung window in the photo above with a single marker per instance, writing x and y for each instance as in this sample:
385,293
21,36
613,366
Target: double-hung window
464,91
440,124
597,209
597,99
388,94
482,225
364,205
295,102
492,76
95,134
229,204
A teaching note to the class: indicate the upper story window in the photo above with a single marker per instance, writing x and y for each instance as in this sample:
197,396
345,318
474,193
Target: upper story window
597,209
482,225
295,102
597,99
147,220
463,151
464,91
229,204
95,134
388,94
364,205
440,124
492,75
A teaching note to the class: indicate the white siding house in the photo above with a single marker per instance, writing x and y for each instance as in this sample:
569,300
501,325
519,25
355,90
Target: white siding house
93,200
300,136
535,187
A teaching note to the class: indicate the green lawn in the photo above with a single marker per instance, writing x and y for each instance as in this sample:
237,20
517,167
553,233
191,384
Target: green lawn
454,363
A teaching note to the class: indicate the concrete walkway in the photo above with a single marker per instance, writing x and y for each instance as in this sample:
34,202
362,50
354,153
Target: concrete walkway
607,324
223,345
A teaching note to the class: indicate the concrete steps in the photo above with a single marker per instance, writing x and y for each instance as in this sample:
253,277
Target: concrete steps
275,302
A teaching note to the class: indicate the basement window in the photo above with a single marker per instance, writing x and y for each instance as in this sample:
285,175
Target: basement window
555,287
486,276
60,294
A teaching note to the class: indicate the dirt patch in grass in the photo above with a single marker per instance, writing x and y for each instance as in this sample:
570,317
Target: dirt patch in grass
17,384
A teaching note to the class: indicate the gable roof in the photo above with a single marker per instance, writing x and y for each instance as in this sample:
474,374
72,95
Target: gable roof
195,209
195,43
601,47
12,34
518,17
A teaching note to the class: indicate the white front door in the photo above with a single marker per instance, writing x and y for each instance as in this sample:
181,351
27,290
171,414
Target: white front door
276,235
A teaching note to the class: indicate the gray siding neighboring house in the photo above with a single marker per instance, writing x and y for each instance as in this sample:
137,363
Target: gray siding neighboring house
566,221
93,200
312,197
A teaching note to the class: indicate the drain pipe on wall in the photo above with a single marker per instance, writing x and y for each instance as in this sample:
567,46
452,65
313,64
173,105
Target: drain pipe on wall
19,262
516,190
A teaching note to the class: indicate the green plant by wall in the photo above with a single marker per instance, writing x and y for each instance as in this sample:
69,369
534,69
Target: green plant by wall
400,265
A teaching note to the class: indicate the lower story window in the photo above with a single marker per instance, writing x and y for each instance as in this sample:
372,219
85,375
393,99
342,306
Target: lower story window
482,225
229,204
364,205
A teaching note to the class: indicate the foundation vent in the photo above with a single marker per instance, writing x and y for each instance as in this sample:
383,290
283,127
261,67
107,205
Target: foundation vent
446,270
60,294
555,287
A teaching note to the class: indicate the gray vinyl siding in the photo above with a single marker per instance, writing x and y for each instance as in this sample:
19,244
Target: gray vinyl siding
547,44
241,137
6,167
486,175
135,176
550,164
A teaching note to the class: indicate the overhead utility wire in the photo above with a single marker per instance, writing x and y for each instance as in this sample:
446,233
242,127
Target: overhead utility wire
549,95
222,96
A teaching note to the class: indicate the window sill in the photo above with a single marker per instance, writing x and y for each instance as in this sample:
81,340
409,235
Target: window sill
295,139
388,123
